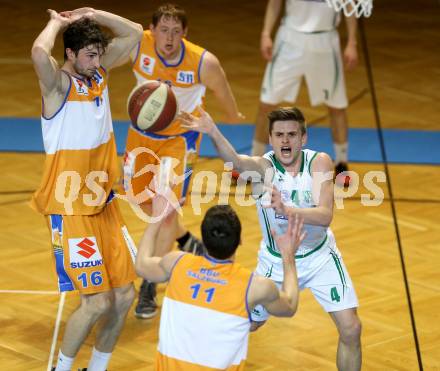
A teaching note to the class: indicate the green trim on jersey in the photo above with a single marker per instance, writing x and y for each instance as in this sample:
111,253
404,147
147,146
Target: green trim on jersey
310,162
269,233
278,255
301,169
281,168
277,164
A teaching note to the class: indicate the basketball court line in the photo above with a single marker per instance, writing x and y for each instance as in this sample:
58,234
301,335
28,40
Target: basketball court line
56,330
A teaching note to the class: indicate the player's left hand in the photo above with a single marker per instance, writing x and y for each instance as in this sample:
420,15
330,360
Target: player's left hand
203,124
76,14
350,56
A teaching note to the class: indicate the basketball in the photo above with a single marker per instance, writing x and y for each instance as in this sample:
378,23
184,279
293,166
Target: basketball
152,106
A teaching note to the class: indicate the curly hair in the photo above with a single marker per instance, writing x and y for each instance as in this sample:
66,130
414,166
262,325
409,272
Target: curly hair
82,33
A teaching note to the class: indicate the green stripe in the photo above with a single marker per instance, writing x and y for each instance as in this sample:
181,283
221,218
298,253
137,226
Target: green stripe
277,164
310,162
269,234
340,271
278,255
302,163
312,251
336,79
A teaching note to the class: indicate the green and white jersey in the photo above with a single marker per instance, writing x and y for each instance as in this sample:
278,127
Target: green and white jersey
310,16
296,191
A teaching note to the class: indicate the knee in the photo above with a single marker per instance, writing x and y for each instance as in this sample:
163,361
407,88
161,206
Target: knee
124,297
95,305
350,333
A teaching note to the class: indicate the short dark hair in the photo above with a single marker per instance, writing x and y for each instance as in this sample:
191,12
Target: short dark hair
287,114
82,33
170,11
221,231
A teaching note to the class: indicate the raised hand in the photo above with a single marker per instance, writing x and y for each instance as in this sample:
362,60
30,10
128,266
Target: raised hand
289,242
203,124
59,17
76,14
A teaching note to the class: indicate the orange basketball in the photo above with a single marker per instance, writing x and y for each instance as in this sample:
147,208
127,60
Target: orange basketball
152,106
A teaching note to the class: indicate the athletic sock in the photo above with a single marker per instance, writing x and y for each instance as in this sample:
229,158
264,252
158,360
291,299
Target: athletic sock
98,361
64,363
341,152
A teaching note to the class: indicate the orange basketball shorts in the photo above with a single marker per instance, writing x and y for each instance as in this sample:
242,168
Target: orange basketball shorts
143,154
92,253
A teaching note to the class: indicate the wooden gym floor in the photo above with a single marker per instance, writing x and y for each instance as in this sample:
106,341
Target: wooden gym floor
403,37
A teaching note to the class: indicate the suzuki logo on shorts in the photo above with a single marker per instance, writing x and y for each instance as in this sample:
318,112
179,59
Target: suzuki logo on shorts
84,252
87,249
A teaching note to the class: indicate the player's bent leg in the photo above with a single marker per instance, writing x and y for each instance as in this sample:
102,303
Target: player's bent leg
111,324
80,322
349,355
261,135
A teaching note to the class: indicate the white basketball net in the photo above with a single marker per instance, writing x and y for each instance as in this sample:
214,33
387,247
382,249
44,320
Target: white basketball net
358,8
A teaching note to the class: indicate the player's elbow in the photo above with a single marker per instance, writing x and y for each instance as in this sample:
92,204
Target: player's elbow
138,33
140,267
38,54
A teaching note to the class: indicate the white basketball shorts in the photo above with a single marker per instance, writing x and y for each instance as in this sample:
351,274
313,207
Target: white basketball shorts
314,56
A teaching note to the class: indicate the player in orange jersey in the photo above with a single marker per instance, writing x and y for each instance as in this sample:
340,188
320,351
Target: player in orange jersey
165,54
93,252
212,294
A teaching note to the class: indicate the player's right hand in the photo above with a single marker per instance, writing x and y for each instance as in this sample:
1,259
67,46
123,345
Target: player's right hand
266,46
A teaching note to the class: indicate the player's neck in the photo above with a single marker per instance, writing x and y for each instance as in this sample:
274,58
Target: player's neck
295,166
171,58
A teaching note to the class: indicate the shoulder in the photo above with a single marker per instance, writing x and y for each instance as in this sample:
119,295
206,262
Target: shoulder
169,260
194,48
321,161
210,61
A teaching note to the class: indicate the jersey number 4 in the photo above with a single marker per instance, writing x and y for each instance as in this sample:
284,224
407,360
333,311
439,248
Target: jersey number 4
334,295
196,290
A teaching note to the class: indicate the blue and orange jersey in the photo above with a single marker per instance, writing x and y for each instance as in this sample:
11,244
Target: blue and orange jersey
81,160
183,77
205,318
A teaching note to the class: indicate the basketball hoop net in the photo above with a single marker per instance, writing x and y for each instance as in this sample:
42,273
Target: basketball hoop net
358,8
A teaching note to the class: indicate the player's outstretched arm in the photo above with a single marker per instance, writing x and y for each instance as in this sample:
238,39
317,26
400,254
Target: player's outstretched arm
213,76
284,302
126,33
155,269
205,124
49,75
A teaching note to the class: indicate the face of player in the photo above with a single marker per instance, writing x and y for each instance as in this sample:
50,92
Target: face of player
87,61
168,34
287,141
